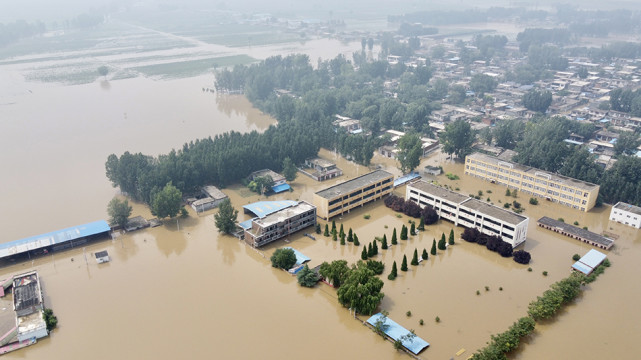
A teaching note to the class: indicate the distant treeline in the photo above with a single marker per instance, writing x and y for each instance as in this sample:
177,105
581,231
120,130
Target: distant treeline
443,17
17,30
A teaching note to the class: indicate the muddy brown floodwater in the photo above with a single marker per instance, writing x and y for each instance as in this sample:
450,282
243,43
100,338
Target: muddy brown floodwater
183,291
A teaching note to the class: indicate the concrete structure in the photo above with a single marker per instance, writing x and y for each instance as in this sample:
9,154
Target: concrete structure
566,191
280,224
350,125
102,257
27,294
341,198
213,198
432,170
389,149
575,232
321,169
276,177
469,212
626,214
589,262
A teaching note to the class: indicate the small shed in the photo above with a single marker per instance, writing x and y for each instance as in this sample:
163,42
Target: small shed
589,262
432,170
102,256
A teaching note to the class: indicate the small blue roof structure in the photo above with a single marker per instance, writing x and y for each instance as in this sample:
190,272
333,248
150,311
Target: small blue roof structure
396,331
574,142
53,238
300,258
247,224
280,188
406,178
589,261
264,208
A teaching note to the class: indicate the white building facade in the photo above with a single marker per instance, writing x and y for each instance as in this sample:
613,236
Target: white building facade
626,214
469,212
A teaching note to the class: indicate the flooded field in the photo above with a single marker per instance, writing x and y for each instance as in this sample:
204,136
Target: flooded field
182,290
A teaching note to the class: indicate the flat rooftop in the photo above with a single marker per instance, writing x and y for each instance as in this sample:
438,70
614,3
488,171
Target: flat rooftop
533,172
354,184
439,191
321,162
494,211
628,207
284,214
214,192
577,231
26,291
267,172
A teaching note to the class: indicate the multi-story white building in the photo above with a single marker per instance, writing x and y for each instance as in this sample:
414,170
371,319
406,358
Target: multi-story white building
626,214
469,212
280,223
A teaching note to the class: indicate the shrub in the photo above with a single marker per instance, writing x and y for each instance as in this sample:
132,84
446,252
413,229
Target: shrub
437,319
420,322
576,223
576,257
561,220
522,257
534,201
307,277
516,204
408,313
376,266
480,192
505,249
488,191
529,269
470,235
507,192
51,321
429,215
366,216
478,292
283,258
507,205
545,273
452,176
487,288
501,288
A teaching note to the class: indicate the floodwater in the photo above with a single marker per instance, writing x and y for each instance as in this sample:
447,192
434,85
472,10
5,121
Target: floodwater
182,290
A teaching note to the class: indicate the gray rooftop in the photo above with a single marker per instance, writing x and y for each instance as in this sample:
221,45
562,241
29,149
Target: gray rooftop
356,183
214,192
531,171
439,191
628,207
26,291
494,211
282,215
577,231
321,162
267,172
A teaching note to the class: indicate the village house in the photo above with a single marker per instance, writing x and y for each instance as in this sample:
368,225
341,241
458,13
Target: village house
321,169
627,214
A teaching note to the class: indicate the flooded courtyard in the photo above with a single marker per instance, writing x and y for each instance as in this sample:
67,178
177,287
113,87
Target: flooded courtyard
182,290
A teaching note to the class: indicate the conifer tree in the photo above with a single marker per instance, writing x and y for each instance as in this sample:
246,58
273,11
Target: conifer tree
413,230
326,233
415,258
404,232
341,233
356,242
343,240
393,274
384,243
364,253
421,225
333,225
404,263
394,242
370,250
424,255
350,235
318,228
441,243
375,248
433,251
451,240
334,236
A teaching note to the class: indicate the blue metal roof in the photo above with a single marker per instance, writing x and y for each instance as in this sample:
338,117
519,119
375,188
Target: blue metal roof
582,268
406,178
396,331
593,258
247,224
300,258
280,188
264,208
53,238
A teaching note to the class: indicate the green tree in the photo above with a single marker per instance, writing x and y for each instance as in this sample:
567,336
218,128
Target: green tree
394,242
458,138
384,242
374,247
481,84
365,254
361,291
413,229
441,243
341,232
326,233
283,258
166,202
226,218
51,321
307,277
433,250
333,226
356,242
421,225
544,307
404,232
343,239
409,152
536,100
627,143
404,263
394,272
451,238
415,258
119,212
318,228
334,272
289,169
424,254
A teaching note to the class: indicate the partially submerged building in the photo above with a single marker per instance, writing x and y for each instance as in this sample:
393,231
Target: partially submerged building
576,232
626,214
390,148
280,183
341,198
566,191
213,198
279,223
589,262
102,256
469,212
321,169
28,305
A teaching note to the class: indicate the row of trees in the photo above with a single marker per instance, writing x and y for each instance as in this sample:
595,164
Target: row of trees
358,286
493,243
427,214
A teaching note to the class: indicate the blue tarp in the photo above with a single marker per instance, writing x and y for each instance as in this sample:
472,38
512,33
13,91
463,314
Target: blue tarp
280,188
264,208
395,331
53,238
300,258
406,178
